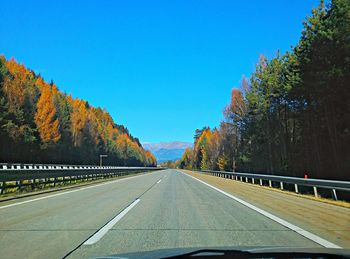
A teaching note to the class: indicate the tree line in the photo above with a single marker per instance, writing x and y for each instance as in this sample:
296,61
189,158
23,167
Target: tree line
40,124
292,116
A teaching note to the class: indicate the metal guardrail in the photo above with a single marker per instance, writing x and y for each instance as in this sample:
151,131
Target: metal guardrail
333,185
33,175
10,166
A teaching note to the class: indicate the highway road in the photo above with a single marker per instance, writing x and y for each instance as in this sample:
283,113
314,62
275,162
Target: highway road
163,209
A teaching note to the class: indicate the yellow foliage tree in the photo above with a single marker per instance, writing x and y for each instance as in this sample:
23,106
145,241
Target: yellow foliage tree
222,161
204,161
45,117
78,120
14,86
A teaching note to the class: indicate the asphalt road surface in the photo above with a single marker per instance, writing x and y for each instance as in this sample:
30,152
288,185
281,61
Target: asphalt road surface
163,209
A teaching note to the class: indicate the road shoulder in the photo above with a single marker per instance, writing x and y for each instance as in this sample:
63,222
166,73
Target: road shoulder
325,220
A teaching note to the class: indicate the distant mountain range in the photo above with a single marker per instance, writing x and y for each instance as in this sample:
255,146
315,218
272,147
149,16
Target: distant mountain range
167,151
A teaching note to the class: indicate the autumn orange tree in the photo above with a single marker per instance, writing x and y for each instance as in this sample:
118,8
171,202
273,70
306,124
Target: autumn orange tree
38,123
186,159
45,117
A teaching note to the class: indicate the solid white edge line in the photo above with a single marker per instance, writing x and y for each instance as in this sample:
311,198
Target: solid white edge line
99,234
67,192
291,226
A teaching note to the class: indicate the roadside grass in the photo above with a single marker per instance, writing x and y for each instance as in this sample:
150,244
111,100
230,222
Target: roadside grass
308,196
340,203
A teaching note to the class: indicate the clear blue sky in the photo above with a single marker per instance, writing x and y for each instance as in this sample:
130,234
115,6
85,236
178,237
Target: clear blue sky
161,68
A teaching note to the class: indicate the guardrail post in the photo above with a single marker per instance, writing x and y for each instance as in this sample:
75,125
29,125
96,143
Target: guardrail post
334,194
296,188
270,183
315,191
261,183
253,180
246,179
241,178
281,184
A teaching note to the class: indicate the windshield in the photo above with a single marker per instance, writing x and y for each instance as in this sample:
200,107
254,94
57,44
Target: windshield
133,126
